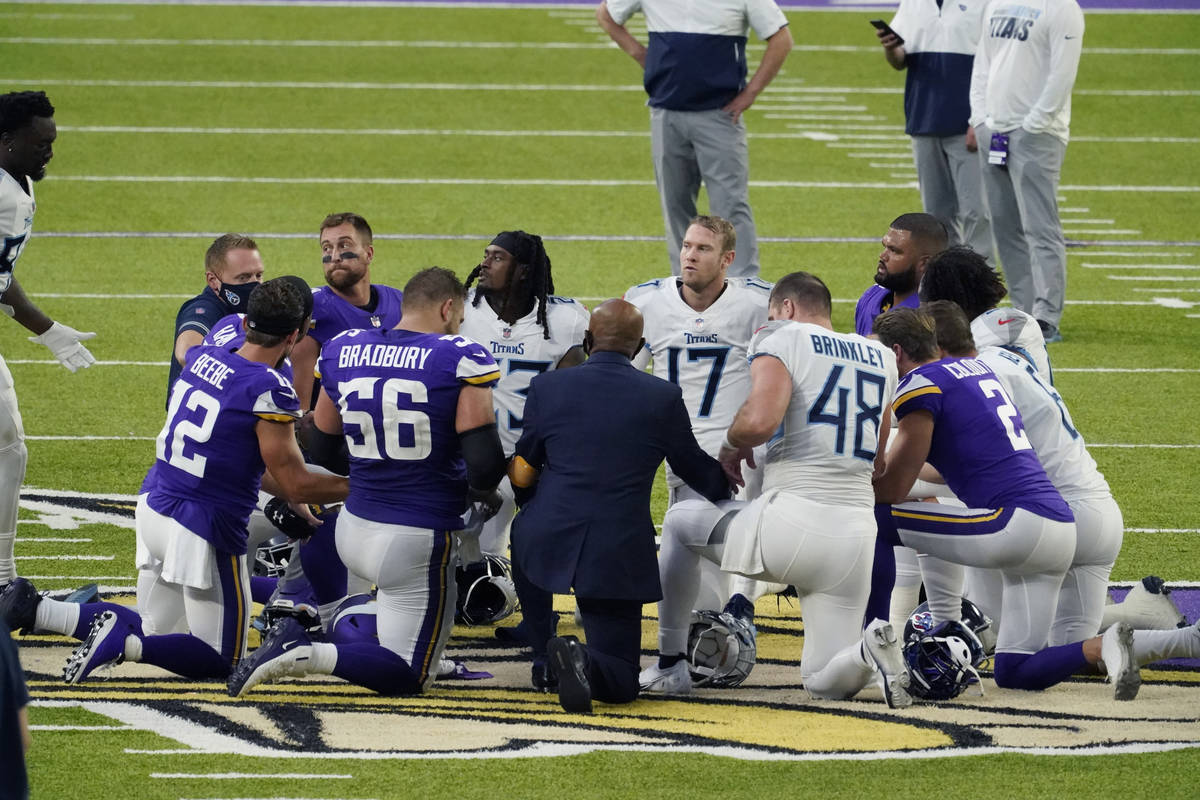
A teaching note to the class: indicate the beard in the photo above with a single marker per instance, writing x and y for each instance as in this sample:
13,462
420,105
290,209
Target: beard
343,279
899,282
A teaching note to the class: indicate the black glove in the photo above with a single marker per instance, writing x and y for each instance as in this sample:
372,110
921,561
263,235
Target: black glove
286,520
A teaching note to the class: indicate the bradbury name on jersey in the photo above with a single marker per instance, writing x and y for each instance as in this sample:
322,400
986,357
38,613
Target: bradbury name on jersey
383,355
851,351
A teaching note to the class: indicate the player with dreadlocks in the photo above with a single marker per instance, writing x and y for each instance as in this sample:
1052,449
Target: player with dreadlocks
512,311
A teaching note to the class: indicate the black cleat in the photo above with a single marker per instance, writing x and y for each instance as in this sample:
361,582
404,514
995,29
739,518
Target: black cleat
18,605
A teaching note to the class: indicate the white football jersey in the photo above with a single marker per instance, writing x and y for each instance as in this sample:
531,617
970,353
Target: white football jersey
1049,427
522,351
16,223
842,383
703,352
1016,332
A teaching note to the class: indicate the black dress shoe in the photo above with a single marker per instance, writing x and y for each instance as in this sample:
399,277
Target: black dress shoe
569,661
543,678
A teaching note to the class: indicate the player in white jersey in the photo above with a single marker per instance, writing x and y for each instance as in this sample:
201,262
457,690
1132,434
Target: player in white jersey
27,134
698,329
1061,450
818,401
513,312
964,277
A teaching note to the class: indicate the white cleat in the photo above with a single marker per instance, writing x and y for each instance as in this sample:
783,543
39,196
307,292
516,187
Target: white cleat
1116,651
1149,606
673,680
883,648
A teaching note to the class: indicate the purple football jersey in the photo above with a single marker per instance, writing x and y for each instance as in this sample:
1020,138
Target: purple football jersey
230,333
979,443
875,301
208,466
332,315
397,392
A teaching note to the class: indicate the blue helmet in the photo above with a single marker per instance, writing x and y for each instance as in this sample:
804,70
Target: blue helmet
978,623
486,593
941,661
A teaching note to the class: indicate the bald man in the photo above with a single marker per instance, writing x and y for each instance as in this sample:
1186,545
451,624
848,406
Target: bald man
593,440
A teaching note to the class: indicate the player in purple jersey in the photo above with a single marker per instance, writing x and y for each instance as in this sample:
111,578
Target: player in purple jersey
911,240
230,418
348,300
413,406
956,415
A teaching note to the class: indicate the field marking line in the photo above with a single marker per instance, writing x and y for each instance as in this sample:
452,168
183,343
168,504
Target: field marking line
73,728
112,41
1125,254
64,558
552,182
1174,278
500,87
221,776
88,578
37,539
1086,265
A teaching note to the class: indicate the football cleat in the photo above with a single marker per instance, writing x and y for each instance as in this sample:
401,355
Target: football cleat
883,648
286,651
676,679
1149,606
104,646
1116,651
18,605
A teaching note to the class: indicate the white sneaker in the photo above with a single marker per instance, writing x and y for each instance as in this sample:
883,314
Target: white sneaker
1149,606
1116,651
883,648
673,680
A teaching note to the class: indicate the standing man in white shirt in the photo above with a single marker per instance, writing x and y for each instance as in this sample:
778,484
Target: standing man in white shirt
1021,112
695,74
935,42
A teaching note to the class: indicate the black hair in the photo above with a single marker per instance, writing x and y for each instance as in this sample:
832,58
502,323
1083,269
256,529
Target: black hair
431,286
953,327
528,251
18,109
962,276
928,231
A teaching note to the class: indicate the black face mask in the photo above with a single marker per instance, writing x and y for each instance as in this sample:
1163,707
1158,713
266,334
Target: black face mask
237,295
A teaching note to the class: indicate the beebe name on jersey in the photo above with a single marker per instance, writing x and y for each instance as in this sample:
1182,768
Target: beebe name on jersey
211,371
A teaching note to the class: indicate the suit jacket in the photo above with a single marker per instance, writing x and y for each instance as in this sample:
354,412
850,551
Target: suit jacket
598,433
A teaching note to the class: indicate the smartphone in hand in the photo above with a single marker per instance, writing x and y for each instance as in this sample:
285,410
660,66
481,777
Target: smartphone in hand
883,26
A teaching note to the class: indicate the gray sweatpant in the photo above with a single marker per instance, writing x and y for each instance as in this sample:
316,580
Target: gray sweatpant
952,190
693,146
1022,197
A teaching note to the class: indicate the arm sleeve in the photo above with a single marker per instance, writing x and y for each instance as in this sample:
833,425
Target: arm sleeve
622,10
765,17
1066,44
484,455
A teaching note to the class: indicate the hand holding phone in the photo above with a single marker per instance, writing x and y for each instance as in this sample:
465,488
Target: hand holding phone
880,25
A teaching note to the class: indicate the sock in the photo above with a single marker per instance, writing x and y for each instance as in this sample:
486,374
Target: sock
324,658
376,668
906,594
133,648
8,566
1041,670
883,568
1151,646
62,617
184,655
668,661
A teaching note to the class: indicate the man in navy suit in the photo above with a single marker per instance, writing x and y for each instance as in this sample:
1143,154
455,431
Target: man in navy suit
592,443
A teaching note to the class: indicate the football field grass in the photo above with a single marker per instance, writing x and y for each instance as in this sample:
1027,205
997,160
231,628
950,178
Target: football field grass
443,126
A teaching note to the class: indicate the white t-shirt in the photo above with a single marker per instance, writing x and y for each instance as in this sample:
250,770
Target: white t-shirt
521,351
702,352
1026,64
16,224
841,385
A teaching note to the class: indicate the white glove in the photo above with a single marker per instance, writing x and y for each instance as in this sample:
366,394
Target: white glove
64,342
